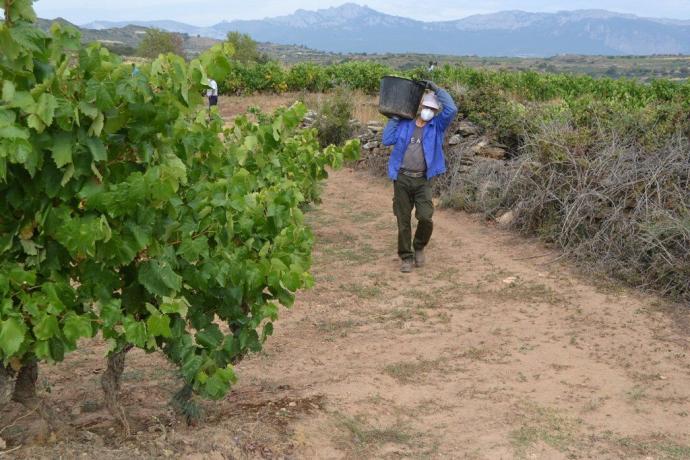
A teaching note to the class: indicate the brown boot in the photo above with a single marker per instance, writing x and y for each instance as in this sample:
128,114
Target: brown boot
406,266
419,258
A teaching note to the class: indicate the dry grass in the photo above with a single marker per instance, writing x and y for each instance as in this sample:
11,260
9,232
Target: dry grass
365,106
232,106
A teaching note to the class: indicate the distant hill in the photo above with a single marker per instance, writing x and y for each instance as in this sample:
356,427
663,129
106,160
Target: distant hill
125,39
354,28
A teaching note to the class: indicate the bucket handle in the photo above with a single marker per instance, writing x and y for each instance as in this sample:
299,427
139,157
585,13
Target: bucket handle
424,83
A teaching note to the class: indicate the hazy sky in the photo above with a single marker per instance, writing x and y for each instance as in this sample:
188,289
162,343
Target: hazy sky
208,12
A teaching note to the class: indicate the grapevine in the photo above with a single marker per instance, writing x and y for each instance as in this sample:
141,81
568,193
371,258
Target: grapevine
125,211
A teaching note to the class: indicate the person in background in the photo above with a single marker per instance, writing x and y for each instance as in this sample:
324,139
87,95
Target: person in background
416,158
135,70
212,93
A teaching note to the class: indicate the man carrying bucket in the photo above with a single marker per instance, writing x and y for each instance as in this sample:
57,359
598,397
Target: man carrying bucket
416,158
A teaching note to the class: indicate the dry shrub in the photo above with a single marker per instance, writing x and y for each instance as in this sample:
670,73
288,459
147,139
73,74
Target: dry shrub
612,203
478,187
333,119
376,164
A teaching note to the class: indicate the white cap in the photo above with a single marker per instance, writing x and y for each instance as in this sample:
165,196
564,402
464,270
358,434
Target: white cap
430,100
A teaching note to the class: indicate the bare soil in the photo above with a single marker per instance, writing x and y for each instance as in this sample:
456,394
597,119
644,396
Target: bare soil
365,106
495,349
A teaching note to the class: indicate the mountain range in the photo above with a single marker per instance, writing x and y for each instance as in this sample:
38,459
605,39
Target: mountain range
360,29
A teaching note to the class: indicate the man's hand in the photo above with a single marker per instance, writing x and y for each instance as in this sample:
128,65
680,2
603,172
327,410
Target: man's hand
431,85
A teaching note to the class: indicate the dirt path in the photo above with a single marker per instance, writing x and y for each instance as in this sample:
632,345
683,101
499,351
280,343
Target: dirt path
491,351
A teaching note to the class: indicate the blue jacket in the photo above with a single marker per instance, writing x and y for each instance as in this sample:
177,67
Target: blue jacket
398,132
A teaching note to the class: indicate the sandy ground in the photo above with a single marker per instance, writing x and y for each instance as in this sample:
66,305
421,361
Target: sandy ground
495,349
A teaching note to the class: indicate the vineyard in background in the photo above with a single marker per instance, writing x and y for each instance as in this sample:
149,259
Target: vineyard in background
501,101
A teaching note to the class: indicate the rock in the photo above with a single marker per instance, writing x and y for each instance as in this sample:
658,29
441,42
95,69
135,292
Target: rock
484,149
476,148
497,153
3,444
93,439
375,126
466,128
506,219
371,145
455,139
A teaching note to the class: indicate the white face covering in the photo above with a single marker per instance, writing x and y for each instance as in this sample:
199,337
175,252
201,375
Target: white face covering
426,114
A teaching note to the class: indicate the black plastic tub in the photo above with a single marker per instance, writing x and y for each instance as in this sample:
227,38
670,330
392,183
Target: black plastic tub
400,97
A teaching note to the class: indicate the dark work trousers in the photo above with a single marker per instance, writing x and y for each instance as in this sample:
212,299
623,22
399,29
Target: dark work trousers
409,192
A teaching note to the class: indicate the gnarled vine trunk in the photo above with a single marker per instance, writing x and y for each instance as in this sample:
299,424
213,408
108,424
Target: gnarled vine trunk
6,385
110,382
25,394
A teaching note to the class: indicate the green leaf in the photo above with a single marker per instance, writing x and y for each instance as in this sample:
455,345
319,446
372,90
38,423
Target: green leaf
219,383
192,249
42,350
87,109
24,101
12,332
54,303
22,10
35,122
190,366
267,331
8,90
179,306
13,132
159,325
250,142
111,313
45,108
97,125
211,337
97,149
98,94
159,278
135,331
79,234
47,327
57,349
21,277
62,149
6,242
69,173
76,326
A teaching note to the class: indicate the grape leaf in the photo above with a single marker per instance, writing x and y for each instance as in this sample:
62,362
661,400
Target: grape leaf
158,325
12,332
76,327
62,149
97,148
159,278
45,108
46,328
